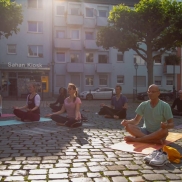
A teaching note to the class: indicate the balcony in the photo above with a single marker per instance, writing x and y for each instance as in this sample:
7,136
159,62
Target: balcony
76,45
101,21
89,22
62,43
59,21
74,19
170,69
103,68
74,67
90,44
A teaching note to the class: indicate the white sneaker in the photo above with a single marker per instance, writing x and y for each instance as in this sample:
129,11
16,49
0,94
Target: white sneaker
149,157
160,159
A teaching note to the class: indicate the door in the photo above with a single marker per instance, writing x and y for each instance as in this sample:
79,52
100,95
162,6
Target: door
12,87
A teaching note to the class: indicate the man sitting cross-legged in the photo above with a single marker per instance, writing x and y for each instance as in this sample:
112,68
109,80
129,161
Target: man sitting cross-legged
157,116
119,104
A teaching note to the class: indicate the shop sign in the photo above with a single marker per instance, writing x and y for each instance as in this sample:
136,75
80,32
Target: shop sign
22,65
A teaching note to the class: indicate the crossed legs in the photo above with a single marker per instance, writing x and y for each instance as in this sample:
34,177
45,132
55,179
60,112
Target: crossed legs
157,137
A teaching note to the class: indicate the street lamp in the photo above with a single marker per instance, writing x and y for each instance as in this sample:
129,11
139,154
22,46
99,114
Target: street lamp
136,67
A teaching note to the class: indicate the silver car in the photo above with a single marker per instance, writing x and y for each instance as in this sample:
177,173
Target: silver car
98,93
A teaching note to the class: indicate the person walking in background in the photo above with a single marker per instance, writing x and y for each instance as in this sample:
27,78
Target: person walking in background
32,106
72,107
119,105
60,100
177,102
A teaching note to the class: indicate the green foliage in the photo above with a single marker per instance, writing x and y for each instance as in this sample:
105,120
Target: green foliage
154,24
11,17
172,60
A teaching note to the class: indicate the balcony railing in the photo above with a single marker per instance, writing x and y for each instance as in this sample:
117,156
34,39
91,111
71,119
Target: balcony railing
74,19
103,67
62,43
90,44
74,67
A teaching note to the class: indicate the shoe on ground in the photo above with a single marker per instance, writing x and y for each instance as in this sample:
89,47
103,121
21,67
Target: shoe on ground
149,157
160,159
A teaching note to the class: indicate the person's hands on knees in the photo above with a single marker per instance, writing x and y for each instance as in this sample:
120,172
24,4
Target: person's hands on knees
164,125
124,122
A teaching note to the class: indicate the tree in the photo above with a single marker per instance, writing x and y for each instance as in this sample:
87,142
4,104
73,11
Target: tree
11,17
151,28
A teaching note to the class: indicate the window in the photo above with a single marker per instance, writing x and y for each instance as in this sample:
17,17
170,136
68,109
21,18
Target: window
11,49
75,9
35,4
60,81
60,10
60,56
141,81
103,13
60,34
158,80
120,79
75,57
169,80
35,51
120,57
89,35
75,79
89,80
139,60
102,59
89,12
75,34
103,80
89,57
157,60
36,27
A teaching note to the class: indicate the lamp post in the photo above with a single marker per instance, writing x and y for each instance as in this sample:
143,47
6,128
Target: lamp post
136,67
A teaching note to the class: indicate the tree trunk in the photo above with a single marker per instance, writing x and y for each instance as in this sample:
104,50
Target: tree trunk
150,64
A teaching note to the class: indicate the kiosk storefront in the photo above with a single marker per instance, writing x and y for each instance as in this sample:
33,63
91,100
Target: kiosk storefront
14,78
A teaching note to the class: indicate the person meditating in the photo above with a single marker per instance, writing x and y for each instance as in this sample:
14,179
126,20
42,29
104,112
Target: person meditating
119,104
177,102
157,117
60,100
72,107
32,112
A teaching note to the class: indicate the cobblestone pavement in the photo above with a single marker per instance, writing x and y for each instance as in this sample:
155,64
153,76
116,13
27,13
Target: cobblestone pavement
43,151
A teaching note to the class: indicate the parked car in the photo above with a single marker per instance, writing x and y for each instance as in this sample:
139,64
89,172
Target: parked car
166,95
98,93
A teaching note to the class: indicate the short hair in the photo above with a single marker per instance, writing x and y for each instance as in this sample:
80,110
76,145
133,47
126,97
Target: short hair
119,86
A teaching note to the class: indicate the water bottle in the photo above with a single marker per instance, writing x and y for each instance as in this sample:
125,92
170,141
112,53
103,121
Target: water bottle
1,105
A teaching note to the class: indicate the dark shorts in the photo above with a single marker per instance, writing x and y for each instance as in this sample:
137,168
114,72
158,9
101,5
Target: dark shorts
144,130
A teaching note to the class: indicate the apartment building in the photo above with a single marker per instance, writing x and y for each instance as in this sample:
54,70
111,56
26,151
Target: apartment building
56,45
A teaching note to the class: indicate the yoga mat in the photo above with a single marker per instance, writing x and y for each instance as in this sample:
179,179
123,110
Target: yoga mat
15,122
144,148
7,115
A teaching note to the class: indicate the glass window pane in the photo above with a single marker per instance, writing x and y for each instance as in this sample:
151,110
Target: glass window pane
60,10
32,3
40,51
103,80
102,59
60,56
75,58
89,12
102,13
32,51
89,80
89,36
75,34
60,34
74,11
120,79
40,27
11,49
32,26
89,57
119,57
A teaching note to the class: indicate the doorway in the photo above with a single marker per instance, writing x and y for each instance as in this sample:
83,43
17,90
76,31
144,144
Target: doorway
12,87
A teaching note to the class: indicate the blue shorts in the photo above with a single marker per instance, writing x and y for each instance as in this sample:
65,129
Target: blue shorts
144,130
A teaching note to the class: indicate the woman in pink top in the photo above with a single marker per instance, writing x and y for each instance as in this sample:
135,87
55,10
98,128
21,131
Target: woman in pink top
72,107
